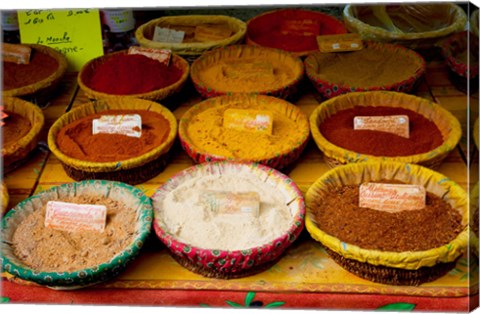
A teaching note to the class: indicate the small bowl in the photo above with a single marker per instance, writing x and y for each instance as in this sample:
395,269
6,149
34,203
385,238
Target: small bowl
274,159
329,88
155,95
130,195
225,264
239,52
132,171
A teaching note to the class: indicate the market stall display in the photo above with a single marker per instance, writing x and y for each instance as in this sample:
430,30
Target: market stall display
205,136
378,145
71,260
205,232
293,30
118,157
241,69
198,33
400,258
377,66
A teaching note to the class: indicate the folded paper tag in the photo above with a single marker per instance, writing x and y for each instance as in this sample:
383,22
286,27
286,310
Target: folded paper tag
228,203
339,43
73,217
398,124
248,120
129,125
212,32
392,197
162,55
168,35
300,27
16,53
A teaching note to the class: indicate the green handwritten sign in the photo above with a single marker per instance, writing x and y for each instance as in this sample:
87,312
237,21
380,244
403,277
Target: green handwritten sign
76,33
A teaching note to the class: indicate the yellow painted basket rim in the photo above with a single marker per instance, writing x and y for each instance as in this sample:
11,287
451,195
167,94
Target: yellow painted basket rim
346,156
114,104
406,260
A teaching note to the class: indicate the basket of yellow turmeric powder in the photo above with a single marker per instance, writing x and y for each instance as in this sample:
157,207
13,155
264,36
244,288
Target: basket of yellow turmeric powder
246,128
244,69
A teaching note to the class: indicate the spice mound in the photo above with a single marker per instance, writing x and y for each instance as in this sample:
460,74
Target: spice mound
368,67
46,249
76,139
200,223
40,67
16,127
424,134
207,133
124,74
338,214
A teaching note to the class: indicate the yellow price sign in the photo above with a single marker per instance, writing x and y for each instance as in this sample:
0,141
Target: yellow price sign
76,33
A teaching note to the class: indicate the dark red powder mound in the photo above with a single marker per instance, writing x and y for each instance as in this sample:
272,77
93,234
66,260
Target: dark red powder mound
424,134
125,74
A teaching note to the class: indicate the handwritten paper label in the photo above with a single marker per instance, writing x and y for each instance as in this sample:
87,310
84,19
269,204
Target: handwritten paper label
228,203
75,217
205,33
339,43
76,33
398,124
129,125
392,197
161,55
300,27
167,35
248,120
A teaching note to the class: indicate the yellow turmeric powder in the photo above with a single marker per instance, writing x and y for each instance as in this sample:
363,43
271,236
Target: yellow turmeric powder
207,133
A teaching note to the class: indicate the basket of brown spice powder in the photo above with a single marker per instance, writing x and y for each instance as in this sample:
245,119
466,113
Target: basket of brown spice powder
385,241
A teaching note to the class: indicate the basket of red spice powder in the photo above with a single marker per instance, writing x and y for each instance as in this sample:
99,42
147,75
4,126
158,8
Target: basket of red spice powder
433,131
293,30
120,74
112,156
389,245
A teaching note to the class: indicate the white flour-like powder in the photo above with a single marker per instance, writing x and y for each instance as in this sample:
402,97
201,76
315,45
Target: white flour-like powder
193,222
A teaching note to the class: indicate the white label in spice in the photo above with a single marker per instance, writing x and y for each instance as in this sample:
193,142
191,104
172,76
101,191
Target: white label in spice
161,55
168,35
129,125
248,120
339,42
224,202
398,124
73,217
392,197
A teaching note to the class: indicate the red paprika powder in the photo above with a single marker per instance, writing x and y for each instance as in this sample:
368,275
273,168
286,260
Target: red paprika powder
424,134
124,74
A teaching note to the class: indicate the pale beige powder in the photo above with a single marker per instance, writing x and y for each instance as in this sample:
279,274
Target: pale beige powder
194,223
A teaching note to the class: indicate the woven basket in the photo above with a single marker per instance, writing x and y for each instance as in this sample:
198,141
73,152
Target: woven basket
264,28
453,17
277,159
239,52
17,153
155,95
190,50
398,268
44,88
329,89
128,195
334,155
474,22
5,199
132,171
225,264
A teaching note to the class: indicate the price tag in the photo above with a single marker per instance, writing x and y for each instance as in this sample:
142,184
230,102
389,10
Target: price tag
339,43
168,35
76,33
162,55
248,120
398,124
392,197
129,125
231,203
73,217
